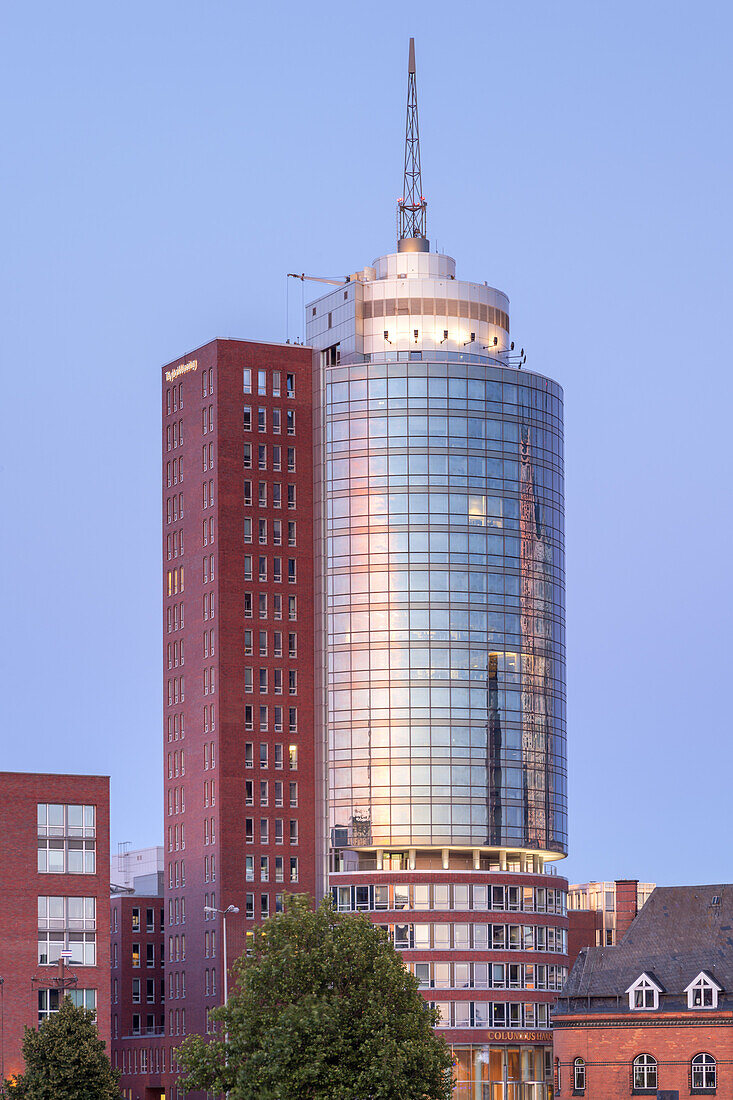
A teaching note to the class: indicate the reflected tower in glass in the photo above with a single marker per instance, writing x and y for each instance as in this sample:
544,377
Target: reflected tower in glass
440,715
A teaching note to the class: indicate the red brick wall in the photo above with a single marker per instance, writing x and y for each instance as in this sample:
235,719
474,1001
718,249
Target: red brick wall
583,928
609,1045
626,905
20,887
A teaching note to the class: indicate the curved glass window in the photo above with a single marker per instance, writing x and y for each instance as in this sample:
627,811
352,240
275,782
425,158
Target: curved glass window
704,1072
645,1072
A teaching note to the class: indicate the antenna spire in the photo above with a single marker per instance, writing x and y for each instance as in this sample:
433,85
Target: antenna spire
411,208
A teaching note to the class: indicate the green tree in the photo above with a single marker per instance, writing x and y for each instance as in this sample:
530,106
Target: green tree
65,1060
323,1009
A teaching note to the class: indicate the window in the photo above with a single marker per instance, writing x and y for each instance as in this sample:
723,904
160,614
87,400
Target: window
293,832
291,460
291,533
261,383
276,456
290,385
261,420
247,419
49,1001
293,755
276,383
704,1072
578,1075
702,992
293,868
264,868
65,843
290,421
247,380
248,456
644,1075
276,421
291,496
67,924
644,994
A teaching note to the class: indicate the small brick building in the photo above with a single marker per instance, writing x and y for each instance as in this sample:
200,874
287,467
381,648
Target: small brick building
653,1015
54,898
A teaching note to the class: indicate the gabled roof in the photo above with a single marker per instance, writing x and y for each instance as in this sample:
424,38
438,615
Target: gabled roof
680,932
650,978
708,978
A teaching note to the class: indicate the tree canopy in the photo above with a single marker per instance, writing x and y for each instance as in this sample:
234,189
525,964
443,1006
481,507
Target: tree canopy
323,1009
65,1060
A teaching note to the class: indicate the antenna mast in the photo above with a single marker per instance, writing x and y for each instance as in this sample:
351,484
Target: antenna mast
412,206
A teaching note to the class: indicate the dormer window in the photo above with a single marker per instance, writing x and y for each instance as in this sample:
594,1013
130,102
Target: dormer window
644,994
703,991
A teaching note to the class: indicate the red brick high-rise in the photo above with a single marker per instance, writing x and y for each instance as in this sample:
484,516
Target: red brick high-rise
54,897
238,655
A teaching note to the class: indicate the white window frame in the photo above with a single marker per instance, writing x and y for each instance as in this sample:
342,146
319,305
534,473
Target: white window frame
646,985
704,982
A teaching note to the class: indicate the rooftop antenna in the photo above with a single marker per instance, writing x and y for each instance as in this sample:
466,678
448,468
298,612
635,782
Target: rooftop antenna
412,207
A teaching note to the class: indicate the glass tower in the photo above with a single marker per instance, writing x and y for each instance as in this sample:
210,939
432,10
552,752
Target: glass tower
440,717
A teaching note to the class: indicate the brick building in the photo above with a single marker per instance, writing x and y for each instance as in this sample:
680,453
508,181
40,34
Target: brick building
238,656
137,983
600,913
54,897
654,1013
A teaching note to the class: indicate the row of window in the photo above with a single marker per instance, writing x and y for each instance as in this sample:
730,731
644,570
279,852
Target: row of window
82,945
176,724
174,545
276,415
174,397
277,605
478,937
264,755
263,680
645,1073
264,868
275,378
140,1059
277,493
702,992
264,792
264,831
70,857
261,453
277,569
447,896
264,718
277,532
174,471
136,956
136,919
485,1014
176,800
65,820
49,1001
174,508
175,581
482,975
176,838
150,991
174,435
277,643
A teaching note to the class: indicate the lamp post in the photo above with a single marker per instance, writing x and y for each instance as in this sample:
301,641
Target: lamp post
223,913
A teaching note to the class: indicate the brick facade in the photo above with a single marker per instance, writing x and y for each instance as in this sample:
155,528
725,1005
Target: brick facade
26,982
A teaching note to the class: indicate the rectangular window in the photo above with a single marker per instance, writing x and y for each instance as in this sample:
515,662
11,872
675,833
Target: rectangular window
262,494
291,496
292,574
66,839
276,421
264,868
291,460
262,573
262,456
277,495
292,607
261,420
248,717
277,605
290,385
278,756
248,456
67,924
290,421
293,832
262,531
293,793
277,569
277,457
278,830
292,541
278,792
261,383
264,831
249,755
263,754
247,492
276,383
247,418
247,528
247,380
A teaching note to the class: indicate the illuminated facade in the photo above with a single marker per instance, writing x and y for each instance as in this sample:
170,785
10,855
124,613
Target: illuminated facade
440,636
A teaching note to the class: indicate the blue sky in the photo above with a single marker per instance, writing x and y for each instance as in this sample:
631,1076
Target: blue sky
166,164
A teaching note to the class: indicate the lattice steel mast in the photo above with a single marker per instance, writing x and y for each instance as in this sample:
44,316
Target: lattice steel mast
412,206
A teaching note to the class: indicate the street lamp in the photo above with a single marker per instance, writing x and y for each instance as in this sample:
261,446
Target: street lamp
223,913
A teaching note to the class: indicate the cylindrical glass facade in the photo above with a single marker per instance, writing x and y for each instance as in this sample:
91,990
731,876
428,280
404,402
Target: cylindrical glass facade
443,591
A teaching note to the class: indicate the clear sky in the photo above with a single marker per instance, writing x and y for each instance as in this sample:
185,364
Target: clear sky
165,164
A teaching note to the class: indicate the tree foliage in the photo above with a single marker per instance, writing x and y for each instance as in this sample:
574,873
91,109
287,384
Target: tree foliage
65,1060
323,1009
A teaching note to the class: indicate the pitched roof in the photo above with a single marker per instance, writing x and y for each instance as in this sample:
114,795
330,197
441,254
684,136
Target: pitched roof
679,932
